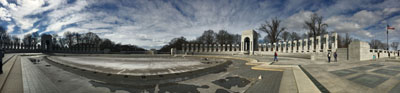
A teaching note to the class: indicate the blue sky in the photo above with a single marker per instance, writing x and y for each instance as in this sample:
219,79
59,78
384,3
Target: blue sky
153,23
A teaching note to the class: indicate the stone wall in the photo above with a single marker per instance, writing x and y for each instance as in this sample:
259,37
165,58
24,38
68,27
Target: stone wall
34,48
327,43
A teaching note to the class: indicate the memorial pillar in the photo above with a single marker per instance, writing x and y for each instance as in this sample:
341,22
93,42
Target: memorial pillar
222,47
335,45
201,47
306,46
192,47
196,47
326,47
187,47
237,47
274,46
284,47
295,46
318,44
183,47
301,49
290,47
312,47
210,47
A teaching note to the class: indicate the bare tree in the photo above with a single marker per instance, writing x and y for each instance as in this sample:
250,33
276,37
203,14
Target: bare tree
208,37
272,29
4,36
91,38
315,26
69,38
375,43
15,39
31,39
347,40
294,36
223,37
285,36
394,45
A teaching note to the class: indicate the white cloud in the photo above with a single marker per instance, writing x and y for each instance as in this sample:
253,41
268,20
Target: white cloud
5,14
295,23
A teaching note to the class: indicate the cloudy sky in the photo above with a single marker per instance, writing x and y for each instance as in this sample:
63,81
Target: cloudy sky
152,23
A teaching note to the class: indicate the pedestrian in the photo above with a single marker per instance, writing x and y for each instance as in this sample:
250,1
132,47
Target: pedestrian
276,57
329,57
335,55
374,57
1,60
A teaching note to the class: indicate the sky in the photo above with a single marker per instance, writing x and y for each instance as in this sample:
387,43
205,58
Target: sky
153,23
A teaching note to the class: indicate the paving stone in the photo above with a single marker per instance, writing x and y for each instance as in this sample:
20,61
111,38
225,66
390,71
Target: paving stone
395,89
387,72
394,67
343,72
375,65
369,80
362,68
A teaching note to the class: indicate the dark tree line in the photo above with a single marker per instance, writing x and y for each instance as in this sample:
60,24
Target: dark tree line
208,37
70,39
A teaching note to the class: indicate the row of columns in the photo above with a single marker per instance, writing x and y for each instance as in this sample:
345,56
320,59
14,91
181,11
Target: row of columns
210,47
324,44
22,46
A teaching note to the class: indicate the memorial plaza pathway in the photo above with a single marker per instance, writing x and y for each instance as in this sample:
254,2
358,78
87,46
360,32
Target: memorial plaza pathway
249,74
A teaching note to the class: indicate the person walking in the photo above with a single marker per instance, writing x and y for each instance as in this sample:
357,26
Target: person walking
276,57
335,55
329,57
1,60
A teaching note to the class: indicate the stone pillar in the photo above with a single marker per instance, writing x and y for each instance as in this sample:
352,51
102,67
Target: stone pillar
213,47
196,47
191,47
259,48
318,44
229,47
187,47
237,47
289,45
223,47
183,47
301,49
284,46
278,45
306,46
264,47
274,47
312,48
326,47
209,49
295,46
335,41
202,48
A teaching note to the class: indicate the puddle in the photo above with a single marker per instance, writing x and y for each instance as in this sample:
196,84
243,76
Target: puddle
180,88
229,82
163,88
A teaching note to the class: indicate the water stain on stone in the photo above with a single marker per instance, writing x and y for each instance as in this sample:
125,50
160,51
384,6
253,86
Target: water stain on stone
229,82
221,91
180,88
129,88
163,88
